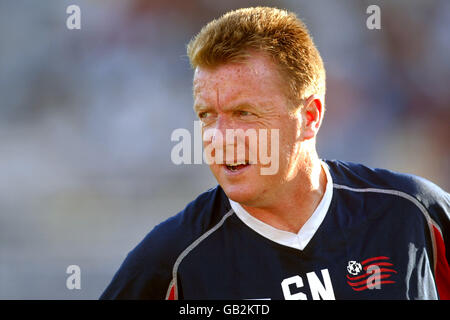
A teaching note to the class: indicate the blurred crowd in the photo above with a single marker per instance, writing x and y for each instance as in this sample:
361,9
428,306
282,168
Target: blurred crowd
86,117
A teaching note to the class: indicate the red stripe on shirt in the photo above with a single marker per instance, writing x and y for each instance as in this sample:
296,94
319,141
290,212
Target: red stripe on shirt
442,273
172,293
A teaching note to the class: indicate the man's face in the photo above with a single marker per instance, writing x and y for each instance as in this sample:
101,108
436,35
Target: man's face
247,96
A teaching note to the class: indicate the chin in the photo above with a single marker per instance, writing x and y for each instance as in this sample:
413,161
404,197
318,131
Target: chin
245,186
249,194
240,196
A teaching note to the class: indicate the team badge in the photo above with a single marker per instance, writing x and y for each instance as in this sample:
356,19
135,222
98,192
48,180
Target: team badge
354,267
370,273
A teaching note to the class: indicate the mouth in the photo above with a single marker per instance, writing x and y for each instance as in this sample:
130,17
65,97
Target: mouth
236,167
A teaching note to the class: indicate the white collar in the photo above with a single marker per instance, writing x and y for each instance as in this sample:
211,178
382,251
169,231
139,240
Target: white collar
286,238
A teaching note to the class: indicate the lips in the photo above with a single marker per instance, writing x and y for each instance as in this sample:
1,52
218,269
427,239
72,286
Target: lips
236,167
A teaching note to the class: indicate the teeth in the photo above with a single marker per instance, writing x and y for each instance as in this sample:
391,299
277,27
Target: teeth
233,167
236,164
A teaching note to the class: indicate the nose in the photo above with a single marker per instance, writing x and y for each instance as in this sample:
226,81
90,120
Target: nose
223,123
221,137
219,130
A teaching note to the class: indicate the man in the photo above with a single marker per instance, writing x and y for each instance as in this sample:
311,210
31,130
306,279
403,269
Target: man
314,229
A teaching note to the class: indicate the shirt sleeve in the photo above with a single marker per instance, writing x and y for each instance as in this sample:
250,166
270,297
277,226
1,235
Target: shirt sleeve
145,273
438,207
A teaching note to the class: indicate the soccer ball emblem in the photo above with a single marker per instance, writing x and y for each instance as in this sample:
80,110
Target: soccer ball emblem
354,267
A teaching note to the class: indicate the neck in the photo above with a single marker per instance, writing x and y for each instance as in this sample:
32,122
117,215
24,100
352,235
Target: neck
297,200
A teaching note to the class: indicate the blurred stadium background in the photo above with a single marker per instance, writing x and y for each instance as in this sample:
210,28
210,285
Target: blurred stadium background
86,117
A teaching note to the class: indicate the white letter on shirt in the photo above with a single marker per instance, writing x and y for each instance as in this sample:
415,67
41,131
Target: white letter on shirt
317,289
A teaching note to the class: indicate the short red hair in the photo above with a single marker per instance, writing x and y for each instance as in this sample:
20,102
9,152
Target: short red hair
275,32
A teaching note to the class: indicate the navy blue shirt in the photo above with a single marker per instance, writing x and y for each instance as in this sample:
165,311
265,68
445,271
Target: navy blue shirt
376,234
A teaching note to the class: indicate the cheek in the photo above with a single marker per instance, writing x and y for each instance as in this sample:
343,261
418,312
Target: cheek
289,134
289,148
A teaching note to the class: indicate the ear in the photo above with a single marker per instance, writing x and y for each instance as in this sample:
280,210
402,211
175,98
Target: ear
312,114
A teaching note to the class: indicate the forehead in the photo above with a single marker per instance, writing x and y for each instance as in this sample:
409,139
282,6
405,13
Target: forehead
257,77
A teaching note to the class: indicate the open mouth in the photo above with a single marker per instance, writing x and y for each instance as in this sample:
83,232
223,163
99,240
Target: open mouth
237,166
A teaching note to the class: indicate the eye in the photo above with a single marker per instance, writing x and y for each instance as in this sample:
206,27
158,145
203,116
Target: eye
203,115
244,113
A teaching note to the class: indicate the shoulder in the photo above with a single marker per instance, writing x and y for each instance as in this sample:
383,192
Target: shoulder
174,234
147,269
358,176
430,200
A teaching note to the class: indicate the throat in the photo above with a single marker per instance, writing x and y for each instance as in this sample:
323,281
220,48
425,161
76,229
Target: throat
289,211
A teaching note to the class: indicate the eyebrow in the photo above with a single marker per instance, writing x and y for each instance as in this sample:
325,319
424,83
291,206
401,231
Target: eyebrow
247,105
200,107
243,105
